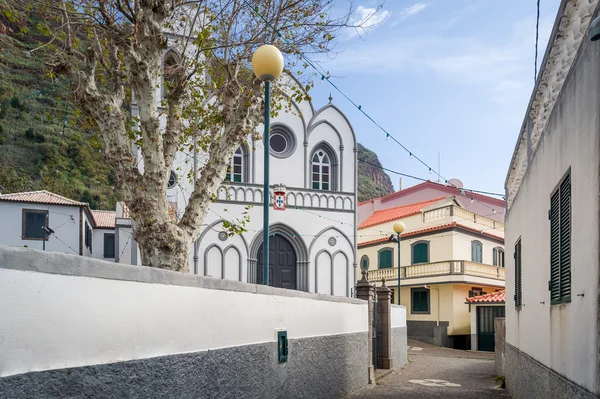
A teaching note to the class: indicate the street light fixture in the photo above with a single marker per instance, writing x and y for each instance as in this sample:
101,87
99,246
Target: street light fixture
399,229
267,65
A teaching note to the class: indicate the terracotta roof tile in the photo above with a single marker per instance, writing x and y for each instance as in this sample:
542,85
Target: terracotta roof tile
40,197
104,219
386,215
428,230
492,297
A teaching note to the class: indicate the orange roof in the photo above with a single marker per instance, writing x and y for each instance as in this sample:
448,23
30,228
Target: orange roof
40,197
386,215
104,219
492,297
428,230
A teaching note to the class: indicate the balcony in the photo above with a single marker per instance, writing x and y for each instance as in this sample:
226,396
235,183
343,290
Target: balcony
453,268
252,194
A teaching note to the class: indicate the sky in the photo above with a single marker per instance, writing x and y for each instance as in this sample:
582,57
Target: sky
448,77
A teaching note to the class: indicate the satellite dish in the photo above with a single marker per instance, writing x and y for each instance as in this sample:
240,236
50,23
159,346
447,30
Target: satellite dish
455,183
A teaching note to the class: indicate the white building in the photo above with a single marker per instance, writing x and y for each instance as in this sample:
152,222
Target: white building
553,222
313,153
73,227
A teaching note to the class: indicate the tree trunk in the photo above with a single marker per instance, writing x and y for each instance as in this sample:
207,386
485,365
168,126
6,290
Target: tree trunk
163,245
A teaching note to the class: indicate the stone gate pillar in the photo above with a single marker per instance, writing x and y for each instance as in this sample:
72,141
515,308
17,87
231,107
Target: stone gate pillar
384,327
366,291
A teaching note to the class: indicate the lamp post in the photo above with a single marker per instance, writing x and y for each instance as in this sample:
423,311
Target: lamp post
398,229
267,65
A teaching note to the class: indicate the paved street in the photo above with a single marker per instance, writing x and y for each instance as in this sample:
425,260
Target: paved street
438,372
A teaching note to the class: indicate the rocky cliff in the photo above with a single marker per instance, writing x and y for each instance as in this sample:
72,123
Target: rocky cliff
373,182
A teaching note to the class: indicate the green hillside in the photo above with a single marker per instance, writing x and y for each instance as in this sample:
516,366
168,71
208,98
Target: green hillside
42,143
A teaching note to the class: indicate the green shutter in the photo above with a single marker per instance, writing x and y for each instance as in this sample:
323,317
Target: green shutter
420,253
495,256
420,300
560,243
565,239
385,258
518,289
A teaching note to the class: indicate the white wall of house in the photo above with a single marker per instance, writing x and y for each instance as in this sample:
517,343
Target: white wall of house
64,220
113,320
98,252
563,337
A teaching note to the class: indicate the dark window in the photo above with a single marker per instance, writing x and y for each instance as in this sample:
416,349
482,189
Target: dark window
420,300
518,265
420,252
385,258
364,262
172,180
560,243
476,251
109,245
278,143
476,291
34,220
88,236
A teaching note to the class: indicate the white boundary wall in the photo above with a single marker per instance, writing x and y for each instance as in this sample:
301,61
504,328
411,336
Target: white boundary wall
398,315
64,311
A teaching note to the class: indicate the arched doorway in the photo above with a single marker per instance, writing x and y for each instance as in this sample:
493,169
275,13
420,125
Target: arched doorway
282,263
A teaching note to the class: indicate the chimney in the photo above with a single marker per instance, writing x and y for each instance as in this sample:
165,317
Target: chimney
400,184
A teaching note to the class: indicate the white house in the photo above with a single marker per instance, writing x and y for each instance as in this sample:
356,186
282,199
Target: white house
41,219
553,222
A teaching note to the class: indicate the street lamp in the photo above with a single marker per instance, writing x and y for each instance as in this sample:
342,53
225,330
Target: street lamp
267,65
398,229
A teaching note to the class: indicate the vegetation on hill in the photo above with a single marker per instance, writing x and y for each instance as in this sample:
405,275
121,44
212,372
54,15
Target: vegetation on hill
43,143
373,182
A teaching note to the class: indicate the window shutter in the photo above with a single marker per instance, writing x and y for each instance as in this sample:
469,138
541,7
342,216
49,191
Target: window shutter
565,239
518,265
495,256
555,247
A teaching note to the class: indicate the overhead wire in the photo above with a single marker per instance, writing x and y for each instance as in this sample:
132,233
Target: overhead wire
327,77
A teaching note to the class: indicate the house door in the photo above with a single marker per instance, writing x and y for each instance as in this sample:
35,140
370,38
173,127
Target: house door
485,326
282,263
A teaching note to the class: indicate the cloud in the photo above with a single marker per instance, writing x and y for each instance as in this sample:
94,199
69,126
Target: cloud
499,66
366,19
410,12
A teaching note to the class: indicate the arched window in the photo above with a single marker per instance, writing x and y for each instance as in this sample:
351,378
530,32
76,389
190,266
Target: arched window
386,258
364,262
236,171
498,257
323,169
476,251
420,252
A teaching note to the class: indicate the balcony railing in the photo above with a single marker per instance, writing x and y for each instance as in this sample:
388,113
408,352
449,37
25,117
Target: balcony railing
451,267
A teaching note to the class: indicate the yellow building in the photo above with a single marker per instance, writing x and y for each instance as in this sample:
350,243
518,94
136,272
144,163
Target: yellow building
447,253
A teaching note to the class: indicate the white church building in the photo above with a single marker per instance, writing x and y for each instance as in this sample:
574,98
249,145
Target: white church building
313,243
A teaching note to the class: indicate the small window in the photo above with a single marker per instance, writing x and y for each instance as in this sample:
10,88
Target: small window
34,220
476,251
498,257
321,171
419,300
518,292
386,258
420,252
88,236
172,180
476,291
364,262
282,142
560,242
109,245
236,169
